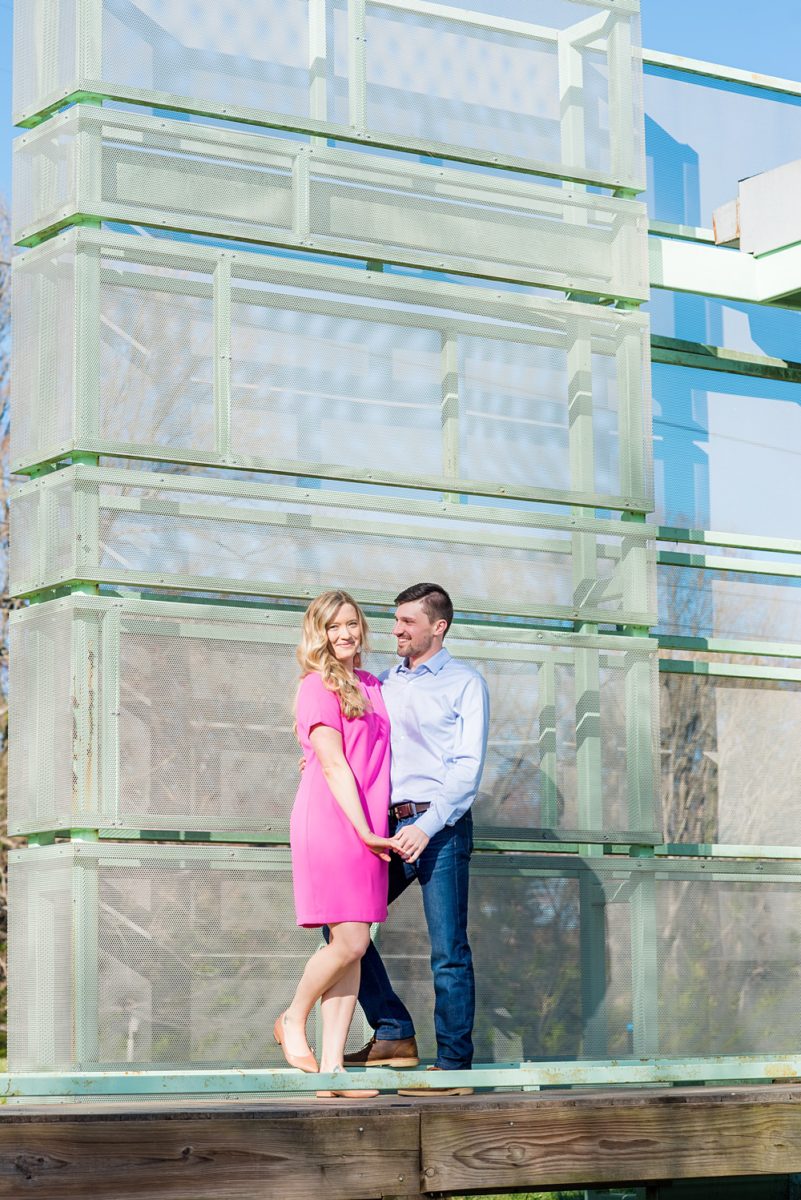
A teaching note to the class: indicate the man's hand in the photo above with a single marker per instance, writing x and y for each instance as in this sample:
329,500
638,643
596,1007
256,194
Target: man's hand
411,842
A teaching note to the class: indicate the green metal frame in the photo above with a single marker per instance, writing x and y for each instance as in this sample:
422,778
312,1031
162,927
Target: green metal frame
681,258
631,551
623,171
97,624
450,310
612,263
29,1085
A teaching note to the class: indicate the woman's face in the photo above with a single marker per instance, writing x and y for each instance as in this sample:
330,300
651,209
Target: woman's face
344,633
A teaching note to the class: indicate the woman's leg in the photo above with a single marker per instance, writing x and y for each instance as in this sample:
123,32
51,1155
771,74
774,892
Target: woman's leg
324,970
337,1006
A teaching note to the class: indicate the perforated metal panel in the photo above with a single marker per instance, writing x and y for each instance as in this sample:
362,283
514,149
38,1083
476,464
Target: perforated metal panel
169,174
167,956
704,135
178,717
557,88
694,602
180,957
713,428
730,767
195,533
331,370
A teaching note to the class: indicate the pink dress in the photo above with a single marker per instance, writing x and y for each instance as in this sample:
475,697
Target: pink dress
335,877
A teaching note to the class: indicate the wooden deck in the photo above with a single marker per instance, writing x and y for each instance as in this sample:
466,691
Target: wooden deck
393,1146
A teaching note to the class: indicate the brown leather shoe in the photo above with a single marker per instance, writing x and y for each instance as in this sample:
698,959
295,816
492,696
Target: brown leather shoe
400,1053
436,1091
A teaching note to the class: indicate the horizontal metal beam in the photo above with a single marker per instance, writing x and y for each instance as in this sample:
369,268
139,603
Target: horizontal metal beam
131,1083
678,352
691,666
718,645
735,541
692,266
722,562
709,70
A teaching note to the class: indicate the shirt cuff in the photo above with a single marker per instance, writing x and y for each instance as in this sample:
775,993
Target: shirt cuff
429,822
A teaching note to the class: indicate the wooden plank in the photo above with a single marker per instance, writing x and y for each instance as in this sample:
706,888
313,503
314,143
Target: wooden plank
342,1152
606,1138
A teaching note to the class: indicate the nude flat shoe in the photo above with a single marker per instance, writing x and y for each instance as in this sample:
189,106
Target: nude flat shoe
347,1093
364,1094
304,1062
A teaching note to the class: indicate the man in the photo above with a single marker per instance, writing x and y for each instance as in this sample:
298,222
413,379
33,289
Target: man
439,709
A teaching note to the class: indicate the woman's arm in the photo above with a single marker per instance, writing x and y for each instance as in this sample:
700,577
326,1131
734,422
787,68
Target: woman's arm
327,745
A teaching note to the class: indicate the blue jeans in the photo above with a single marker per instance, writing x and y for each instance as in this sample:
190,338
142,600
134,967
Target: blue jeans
442,871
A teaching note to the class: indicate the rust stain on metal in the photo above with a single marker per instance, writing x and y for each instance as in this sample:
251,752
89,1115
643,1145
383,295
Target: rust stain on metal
90,703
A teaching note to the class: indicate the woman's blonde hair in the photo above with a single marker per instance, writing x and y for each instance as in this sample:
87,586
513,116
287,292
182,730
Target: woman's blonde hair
315,653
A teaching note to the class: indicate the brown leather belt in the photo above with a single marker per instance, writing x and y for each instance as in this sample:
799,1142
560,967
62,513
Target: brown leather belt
401,811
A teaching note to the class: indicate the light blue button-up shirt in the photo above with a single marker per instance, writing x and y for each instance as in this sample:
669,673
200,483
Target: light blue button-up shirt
439,713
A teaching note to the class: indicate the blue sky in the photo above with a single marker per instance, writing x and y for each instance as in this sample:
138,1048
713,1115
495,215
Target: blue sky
712,29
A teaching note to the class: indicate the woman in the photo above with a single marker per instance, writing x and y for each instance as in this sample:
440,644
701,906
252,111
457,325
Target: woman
338,831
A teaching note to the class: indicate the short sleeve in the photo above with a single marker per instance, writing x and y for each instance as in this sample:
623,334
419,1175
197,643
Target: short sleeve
316,706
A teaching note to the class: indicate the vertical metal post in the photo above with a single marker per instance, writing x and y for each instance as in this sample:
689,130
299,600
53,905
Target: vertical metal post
585,574
644,967
571,100
318,61
357,65
85,943
581,441
89,44
42,770
84,713
449,409
86,398
109,713
621,101
549,793
42,1017
221,323
592,949
301,188
632,361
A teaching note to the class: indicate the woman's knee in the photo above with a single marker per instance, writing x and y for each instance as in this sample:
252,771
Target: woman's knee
351,939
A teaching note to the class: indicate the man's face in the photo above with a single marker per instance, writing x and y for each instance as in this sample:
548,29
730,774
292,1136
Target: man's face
416,633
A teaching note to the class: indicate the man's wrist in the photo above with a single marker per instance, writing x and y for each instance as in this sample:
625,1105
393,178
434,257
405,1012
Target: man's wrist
428,823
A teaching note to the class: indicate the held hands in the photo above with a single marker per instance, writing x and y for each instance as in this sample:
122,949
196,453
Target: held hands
379,845
410,842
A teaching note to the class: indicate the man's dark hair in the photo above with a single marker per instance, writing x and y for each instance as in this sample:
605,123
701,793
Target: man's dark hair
435,600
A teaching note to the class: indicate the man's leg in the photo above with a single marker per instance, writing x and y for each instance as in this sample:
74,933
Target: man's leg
385,1011
443,872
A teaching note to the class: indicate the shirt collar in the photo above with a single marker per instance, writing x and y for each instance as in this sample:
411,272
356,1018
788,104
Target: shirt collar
434,665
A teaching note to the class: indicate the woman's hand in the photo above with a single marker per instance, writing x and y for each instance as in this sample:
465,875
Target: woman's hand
378,845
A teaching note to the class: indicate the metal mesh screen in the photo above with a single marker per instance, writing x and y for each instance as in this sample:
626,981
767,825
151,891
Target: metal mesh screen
41,962
728,966
703,135
718,783
217,535
494,389
471,81
252,187
42,752
184,722
181,957
728,604
46,37
43,330
45,175
726,451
